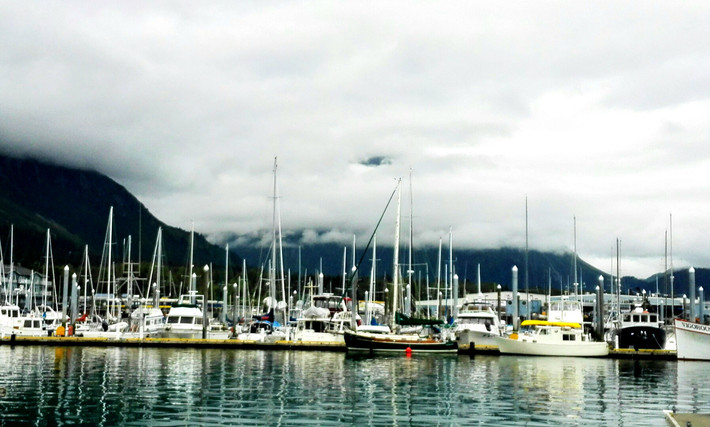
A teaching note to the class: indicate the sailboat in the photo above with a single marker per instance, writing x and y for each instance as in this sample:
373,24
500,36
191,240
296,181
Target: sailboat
267,327
430,339
13,321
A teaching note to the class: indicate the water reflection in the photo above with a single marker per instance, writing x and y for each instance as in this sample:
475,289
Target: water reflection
110,386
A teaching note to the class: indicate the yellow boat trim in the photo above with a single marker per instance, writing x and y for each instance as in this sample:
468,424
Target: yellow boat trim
546,323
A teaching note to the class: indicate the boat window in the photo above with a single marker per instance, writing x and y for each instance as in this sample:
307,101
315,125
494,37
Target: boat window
654,318
568,337
636,318
627,317
173,319
198,320
38,324
186,320
28,323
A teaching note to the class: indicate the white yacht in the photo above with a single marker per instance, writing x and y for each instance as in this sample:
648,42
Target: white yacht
185,320
478,325
545,338
13,322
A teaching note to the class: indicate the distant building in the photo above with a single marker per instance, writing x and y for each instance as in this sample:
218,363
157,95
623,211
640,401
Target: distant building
19,284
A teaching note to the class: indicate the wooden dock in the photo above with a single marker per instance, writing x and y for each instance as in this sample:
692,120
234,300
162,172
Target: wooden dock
173,343
277,345
678,419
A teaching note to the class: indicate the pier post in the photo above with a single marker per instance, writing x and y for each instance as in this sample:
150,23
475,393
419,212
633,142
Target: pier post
701,309
65,296
498,312
235,319
515,299
455,310
600,308
691,289
205,301
74,299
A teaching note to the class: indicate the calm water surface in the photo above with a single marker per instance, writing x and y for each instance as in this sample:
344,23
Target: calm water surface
132,386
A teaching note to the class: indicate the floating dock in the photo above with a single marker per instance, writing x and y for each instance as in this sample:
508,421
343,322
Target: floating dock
678,419
276,345
173,343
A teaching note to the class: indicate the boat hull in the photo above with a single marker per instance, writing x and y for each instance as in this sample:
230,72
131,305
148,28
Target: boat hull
528,348
393,343
642,337
467,339
692,340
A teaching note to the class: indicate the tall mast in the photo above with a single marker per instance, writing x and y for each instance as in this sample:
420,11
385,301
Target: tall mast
438,282
130,269
192,248
373,275
395,264
160,259
527,292
345,267
574,263
87,271
46,274
672,277
410,271
272,265
12,263
109,306
618,281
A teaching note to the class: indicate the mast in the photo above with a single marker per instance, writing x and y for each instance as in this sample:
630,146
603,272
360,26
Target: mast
130,270
672,277
87,271
192,248
527,292
452,274
618,282
345,268
395,267
160,259
438,282
109,306
574,263
46,274
12,263
409,270
373,279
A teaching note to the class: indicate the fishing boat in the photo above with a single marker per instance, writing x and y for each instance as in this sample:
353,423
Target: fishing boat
692,340
546,338
640,329
477,324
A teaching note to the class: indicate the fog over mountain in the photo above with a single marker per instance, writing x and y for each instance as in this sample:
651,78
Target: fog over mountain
597,112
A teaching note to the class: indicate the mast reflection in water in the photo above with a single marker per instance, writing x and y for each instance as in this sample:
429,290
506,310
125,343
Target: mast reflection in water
142,386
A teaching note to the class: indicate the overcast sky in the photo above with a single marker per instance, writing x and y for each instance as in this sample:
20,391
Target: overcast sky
595,110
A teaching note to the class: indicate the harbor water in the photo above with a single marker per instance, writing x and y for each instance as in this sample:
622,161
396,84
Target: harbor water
107,386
